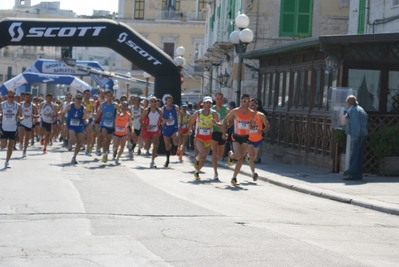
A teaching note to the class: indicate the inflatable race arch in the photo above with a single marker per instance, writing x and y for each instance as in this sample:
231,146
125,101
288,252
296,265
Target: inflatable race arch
96,33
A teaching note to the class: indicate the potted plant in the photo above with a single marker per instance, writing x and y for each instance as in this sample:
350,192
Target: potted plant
385,144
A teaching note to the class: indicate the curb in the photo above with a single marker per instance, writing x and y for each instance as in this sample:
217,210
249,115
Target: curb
373,205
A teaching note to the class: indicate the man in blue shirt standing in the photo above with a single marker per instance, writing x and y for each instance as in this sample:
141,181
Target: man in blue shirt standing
357,128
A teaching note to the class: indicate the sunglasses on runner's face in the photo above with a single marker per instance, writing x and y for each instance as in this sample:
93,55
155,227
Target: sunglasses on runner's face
245,100
219,98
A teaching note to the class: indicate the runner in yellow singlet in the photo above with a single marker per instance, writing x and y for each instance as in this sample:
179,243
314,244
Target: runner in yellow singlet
89,106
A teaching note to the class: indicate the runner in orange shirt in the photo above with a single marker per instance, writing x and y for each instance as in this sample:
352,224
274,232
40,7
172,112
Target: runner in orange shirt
243,119
122,120
255,136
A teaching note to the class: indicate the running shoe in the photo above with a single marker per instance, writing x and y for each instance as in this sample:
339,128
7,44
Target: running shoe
44,151
69,146
114,154
216,177
42,142
196,163
50,142
247,158
60,139
130,154
178,151
181,158
234,182
152,165
230,161
148,153
98,152
73,161
117,162
139,152
255,176
130,146
24,154
105,158
88,153
7,165
166,164
196,175
32,142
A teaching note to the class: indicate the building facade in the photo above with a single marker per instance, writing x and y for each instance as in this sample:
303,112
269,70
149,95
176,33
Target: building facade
168,24
295,79
273,23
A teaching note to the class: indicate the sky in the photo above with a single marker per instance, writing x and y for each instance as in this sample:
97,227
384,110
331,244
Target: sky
80,7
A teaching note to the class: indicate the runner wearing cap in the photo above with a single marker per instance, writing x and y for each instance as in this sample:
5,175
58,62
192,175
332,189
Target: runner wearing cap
204,118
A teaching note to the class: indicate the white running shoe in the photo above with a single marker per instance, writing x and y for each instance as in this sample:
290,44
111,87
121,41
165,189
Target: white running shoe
24,154
152,165
21,146
117,162
7,165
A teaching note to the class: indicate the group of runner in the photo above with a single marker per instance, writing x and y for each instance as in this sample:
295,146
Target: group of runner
86,122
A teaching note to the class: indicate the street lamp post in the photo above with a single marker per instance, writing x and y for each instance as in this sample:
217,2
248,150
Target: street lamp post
147,77
240,39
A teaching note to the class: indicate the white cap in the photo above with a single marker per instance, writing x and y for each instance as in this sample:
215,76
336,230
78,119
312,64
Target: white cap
207,98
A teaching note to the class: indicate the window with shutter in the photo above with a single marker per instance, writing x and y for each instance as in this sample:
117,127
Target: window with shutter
361,17
296,18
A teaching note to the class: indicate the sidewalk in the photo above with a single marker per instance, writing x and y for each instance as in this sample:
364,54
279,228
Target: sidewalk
374,192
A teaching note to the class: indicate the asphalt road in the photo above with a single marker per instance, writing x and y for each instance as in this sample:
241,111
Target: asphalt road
95,214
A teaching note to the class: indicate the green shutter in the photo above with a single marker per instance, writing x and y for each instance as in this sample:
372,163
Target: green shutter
296,18
304,26
361,17
218,11
211,21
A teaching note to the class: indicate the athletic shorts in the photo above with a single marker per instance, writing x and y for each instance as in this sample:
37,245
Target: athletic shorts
76,129
169,131
137,132
256,144
149,135
46,126
207,143
109,130
119,136
8,135
241,139
90,121
217,137
27,128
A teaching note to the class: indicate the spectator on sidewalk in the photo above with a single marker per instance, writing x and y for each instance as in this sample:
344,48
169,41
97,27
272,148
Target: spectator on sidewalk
357,128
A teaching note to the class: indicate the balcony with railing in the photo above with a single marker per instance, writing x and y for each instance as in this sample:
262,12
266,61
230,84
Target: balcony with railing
196,16
169,15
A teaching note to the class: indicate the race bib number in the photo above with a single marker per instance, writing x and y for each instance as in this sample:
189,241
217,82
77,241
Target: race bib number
26,117
89,113
9,117
204,131
75,122
108,123
243,125
254,129
120,129
152,128
170,122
